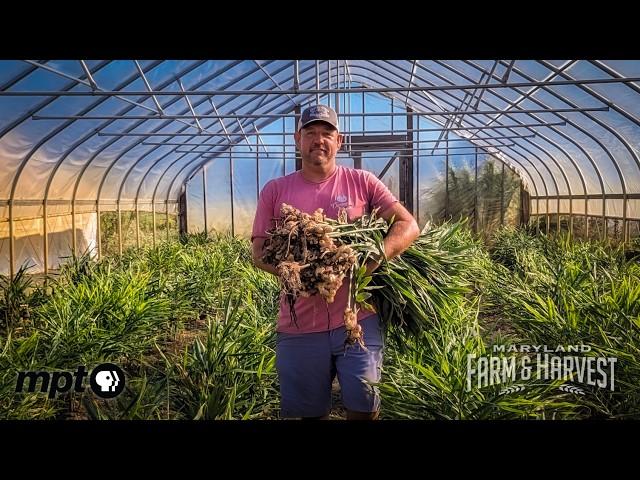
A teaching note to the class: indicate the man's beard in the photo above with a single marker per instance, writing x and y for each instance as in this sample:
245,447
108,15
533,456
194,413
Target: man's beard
318,159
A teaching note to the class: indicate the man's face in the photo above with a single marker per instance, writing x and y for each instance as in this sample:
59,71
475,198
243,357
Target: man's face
318,143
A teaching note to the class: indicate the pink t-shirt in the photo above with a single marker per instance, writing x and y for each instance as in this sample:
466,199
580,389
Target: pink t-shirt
359,192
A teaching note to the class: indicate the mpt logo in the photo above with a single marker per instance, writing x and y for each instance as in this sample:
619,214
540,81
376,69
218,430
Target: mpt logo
107,381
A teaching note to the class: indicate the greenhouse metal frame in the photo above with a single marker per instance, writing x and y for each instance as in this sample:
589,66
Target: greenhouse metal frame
79,138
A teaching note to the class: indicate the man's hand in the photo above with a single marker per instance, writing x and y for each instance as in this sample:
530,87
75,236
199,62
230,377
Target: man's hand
402,233
256,254
371,266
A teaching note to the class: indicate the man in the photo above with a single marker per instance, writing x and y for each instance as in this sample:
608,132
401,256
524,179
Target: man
309,355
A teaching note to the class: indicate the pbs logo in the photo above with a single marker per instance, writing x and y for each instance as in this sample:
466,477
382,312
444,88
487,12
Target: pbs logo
107,380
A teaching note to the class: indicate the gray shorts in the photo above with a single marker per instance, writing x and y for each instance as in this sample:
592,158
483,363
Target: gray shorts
308,363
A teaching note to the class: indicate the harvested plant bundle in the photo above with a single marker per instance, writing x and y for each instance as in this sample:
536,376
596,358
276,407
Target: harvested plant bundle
308,260
313,254
415,289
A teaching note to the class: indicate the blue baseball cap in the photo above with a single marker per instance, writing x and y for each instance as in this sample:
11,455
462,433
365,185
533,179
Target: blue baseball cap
318,113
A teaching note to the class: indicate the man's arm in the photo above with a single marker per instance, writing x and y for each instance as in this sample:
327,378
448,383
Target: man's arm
256,253
400,236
